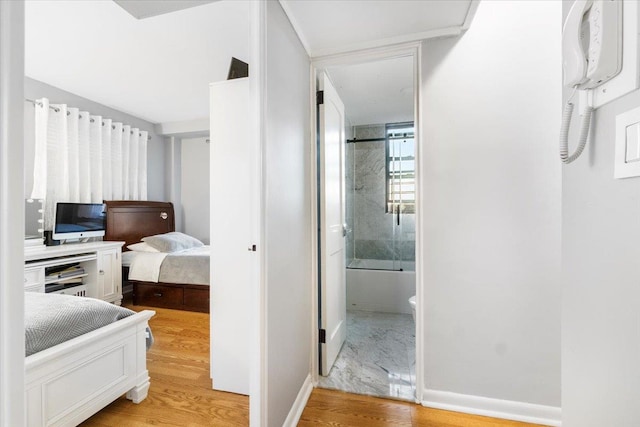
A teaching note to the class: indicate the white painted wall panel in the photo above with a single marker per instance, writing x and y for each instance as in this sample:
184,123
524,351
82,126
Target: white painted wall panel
491,199
12,401
287,215
601,280
195,188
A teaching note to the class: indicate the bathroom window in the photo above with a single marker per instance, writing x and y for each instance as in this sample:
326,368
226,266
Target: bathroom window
400,168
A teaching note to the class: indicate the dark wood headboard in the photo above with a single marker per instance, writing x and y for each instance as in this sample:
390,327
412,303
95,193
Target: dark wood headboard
131,220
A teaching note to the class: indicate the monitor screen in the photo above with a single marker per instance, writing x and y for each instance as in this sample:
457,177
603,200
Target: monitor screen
79,220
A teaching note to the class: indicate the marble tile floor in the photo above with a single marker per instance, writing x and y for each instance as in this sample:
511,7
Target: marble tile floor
377,358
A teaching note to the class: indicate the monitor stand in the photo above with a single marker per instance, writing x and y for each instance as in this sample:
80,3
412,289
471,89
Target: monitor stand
78,240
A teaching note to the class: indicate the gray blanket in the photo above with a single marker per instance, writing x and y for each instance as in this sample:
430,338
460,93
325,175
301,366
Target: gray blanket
190,266
51,319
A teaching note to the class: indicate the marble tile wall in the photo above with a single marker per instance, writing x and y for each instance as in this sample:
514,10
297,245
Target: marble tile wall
374,233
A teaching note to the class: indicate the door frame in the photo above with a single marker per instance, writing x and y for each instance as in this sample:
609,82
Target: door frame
258,380
413,49
12,396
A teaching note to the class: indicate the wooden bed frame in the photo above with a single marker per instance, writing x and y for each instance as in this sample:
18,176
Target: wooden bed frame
130,221
68,383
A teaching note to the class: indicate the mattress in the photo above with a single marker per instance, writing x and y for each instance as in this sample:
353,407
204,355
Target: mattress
51,319
190,266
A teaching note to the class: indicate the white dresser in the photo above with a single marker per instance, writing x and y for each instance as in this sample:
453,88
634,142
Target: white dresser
98,275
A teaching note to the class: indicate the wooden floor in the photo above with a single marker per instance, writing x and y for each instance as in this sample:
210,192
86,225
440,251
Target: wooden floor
181,394
335,408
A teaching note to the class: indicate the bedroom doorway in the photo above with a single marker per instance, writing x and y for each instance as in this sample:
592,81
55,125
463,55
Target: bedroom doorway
184,119
378,171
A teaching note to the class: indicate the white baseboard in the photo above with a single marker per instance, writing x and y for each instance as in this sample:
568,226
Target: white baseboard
298,405
497,408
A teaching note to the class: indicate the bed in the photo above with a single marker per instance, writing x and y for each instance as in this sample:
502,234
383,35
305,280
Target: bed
131,221
69,381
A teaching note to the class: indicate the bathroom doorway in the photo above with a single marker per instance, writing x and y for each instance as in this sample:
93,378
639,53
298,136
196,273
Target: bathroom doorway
378,356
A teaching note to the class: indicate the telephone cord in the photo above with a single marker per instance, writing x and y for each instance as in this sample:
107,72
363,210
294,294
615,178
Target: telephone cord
564,133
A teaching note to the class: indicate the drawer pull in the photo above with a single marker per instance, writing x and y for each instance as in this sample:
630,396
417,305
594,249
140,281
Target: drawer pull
157,294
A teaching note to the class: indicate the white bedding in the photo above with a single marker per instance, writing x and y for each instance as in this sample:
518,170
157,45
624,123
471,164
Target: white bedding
127,257
189,266
52,319
145,266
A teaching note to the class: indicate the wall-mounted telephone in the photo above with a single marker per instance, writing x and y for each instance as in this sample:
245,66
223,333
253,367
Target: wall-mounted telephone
591,56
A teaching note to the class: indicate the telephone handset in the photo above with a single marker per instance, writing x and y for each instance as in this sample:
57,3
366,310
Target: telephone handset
591,56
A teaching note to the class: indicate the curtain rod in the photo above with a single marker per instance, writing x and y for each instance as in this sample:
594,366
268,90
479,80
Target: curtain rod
57,110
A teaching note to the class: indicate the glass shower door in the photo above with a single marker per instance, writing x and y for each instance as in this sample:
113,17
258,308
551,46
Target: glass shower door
380,197
401,193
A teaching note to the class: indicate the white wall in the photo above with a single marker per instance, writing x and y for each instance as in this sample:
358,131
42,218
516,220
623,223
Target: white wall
287,215
491,207
195,188
34,89
173,176
12,379
601,281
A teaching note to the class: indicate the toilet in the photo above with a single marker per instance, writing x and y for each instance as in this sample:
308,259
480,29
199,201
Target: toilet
412,303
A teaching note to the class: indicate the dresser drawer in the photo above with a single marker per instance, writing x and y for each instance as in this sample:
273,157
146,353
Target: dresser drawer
157,295
196,299
34,288
34,277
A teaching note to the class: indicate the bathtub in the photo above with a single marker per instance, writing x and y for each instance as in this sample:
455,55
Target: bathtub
372,287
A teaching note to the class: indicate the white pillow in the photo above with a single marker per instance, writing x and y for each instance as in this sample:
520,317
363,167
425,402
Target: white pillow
172,242
142,247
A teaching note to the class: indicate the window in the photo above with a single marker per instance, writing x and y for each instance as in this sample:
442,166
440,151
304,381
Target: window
400,168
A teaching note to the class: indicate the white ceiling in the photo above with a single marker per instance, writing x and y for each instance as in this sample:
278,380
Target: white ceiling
144,8
329,27
159,68
376,92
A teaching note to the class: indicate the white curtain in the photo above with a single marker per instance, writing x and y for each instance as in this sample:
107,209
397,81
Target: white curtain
86,159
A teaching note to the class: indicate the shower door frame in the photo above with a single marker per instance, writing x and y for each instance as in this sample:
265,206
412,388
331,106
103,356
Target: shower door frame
398,217
318,64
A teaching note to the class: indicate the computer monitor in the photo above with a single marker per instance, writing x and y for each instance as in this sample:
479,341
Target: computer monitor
79,220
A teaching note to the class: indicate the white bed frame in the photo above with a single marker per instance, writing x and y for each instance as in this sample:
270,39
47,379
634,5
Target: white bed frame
70,382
